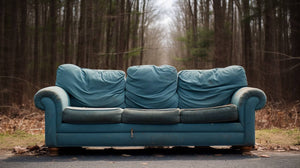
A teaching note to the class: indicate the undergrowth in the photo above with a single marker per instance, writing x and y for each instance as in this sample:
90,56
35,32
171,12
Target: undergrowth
277,126
278,115
29,119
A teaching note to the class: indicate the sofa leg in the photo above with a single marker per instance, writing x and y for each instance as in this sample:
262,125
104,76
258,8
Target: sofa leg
243,148
203,147
53,151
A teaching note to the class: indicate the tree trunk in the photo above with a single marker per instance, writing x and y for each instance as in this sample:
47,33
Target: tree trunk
135,37
81,53
36,43
122,41
207,14
143,33
294,66
247,41
220,55
259,54
195,27
8,51
53,37
21,57
68,22
108,34
90,56
128,11
272,80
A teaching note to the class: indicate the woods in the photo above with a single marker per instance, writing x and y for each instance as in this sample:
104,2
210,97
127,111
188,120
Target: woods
38,35
262,36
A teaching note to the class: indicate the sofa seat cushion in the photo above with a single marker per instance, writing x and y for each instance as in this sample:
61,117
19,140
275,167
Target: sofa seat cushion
226,113
209,88
81,115
151,116
92,88
151,87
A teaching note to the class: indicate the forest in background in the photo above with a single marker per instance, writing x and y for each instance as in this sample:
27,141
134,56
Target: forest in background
38,35
261,35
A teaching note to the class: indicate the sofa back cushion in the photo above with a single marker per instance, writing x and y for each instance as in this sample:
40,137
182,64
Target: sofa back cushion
92,88
151,87
209,88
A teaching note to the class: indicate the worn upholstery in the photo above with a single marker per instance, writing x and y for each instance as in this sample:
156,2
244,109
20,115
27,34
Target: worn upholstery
151,87
226,113
151,116
80,115
248,99
209,88
92,88
198,122
54,93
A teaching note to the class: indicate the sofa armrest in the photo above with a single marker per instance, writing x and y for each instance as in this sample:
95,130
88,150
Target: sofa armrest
53,100
248,100
58,95
241,96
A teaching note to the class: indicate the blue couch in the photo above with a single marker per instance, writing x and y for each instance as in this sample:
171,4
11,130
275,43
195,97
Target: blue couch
149,106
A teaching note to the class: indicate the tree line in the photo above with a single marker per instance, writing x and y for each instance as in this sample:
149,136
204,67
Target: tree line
38,35
261,35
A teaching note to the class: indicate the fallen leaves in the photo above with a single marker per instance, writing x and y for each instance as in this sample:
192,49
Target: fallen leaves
32,123
278,114
30,120
277,148
247,154
31,150
159,155
125,155
264,156
255,154
218,155
19,150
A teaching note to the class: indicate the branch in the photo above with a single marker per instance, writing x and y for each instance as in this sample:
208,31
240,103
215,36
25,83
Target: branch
133,51
125,52
295,66
20,79
238,4
288,57
190,8
127,13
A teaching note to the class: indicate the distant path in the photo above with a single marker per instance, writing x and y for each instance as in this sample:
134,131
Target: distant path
169,158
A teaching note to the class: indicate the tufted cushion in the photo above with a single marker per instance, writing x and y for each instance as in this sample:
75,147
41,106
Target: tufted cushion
209,88
151,87
92,88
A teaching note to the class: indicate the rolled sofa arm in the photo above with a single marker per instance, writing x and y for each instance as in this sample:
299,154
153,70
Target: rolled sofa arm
53,100
248,100
58,95
241,96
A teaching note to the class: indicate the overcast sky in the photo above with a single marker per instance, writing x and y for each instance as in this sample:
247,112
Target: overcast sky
166,7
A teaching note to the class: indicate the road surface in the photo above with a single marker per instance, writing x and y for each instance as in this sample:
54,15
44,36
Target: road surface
143,158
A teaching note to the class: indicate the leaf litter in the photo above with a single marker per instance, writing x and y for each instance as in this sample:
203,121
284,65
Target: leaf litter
29,119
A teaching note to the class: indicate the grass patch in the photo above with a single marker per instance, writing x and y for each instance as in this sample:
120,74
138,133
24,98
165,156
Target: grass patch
276,136
20,138
265,137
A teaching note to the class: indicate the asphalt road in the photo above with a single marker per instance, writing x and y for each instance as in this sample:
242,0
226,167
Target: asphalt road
143,158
